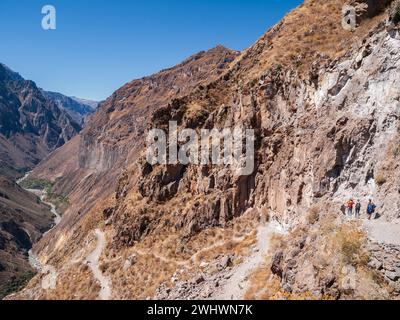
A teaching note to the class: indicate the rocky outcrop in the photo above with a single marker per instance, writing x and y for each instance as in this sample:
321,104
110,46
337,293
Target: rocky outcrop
30,124
320,136
76,108
325,115
113,139
23,219
385,258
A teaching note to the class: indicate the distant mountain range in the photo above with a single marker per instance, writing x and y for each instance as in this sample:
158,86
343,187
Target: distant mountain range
77,108
34,122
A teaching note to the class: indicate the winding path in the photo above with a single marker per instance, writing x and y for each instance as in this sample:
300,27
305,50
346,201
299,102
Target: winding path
236,286
93,262
383,232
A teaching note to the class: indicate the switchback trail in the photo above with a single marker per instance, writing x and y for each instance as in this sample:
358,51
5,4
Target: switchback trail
236,286
93,262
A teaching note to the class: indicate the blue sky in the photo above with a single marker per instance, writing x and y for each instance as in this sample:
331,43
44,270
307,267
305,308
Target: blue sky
101,44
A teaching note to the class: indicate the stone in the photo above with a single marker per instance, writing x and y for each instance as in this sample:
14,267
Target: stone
227,262
276,267
199,279
393,276
287,288
375,264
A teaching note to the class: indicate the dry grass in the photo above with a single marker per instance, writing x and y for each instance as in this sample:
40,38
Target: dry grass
331,247
351,242
162,255
313,214
313,30
380,179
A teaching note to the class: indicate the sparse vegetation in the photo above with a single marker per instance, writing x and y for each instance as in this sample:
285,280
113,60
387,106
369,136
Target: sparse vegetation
351,242
326,249
61,202
380,179
16,285
37,184
313,214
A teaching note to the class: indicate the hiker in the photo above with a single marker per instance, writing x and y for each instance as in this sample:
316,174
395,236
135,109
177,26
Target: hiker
370,209
350,205
358,209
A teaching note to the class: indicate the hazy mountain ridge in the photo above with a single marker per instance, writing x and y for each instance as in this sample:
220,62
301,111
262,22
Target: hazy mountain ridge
78,109
31,123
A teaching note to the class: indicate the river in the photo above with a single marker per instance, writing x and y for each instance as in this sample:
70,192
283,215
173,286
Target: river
33,259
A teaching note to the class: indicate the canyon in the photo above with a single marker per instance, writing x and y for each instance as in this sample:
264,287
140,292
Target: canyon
324,103
33,123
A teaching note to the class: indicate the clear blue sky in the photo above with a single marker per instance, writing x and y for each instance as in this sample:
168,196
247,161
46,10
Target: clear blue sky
101,44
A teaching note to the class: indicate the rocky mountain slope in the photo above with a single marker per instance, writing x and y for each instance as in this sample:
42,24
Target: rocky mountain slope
324,104
23,220
78,109
114,136
91,103
31,126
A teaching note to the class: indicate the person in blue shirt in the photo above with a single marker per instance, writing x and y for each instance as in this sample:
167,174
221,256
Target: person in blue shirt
370,209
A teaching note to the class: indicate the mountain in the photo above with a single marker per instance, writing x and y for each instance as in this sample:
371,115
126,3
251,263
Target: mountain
91,103
113,137
77,109
23,220
31,125
323,101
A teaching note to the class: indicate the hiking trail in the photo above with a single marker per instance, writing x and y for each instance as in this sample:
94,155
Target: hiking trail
93,262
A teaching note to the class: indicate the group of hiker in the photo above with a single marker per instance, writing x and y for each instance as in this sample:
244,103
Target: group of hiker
351,205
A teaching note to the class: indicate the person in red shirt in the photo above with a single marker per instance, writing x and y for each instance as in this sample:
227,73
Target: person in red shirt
350,206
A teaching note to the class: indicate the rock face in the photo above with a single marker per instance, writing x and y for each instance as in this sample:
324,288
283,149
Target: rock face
23,219
324,104
114,137
386,260
319,135
31,125
77,109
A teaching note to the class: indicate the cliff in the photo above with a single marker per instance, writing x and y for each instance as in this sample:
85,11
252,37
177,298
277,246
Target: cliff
324,104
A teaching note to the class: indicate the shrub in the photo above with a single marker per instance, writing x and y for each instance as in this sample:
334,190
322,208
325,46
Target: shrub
37,184
380,179
16,285
313,214
351,243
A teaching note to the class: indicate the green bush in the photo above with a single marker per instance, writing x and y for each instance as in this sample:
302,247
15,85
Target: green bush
16,285
37,184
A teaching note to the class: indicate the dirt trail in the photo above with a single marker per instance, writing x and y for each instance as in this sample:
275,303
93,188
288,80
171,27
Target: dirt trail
383,232
192,259
93,262
236,286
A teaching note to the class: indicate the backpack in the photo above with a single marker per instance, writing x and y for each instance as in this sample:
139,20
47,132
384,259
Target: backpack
371,208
